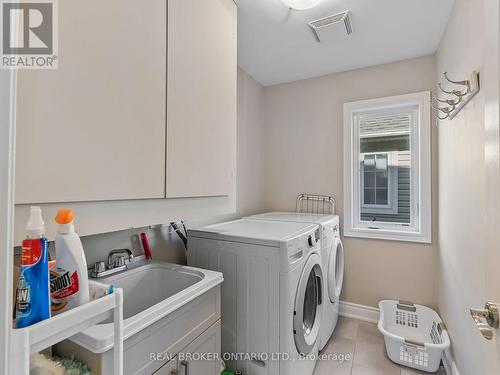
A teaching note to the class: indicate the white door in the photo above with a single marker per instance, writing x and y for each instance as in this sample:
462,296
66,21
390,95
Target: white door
492,157
491,87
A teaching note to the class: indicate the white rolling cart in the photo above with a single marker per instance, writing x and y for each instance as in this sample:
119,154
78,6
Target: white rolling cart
44,334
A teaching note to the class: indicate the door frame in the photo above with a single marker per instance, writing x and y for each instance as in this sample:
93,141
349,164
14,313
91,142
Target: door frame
8,84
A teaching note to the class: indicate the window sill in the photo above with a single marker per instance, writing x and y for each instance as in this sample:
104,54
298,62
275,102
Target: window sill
387,234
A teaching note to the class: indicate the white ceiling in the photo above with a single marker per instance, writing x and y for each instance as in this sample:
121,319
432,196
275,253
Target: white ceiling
276,45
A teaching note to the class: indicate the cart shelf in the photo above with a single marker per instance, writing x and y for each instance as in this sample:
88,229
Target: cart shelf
46,333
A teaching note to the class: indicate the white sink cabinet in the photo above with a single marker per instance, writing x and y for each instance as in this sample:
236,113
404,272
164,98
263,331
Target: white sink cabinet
169,310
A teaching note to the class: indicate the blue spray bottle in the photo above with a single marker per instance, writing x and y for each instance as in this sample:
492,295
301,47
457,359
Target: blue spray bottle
32,295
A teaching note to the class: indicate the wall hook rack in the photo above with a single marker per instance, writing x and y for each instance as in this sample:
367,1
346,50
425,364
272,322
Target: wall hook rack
465,83
456,98
450,102
456,93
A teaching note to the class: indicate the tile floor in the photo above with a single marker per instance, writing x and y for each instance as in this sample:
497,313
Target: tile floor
366,347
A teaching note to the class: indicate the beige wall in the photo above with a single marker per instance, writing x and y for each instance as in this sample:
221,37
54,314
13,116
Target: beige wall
289,141
249,184
468,188
303,153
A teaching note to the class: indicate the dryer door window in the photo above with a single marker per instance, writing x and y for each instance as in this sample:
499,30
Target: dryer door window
335,271
307,313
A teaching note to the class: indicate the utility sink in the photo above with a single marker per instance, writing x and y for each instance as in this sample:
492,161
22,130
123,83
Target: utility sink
163,304
151,284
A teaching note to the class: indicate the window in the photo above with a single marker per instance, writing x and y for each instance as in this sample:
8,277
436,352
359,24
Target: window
387,168
379,183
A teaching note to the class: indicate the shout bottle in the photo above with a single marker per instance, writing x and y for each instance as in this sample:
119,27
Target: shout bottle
69,283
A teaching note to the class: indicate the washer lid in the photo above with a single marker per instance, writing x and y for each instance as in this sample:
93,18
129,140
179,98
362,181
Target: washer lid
261,232
307,310
335,271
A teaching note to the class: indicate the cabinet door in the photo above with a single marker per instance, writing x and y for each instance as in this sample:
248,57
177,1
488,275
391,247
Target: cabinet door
94,129
201,98
169,368
189,362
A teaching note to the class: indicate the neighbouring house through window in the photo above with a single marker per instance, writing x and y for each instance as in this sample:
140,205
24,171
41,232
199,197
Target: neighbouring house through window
379,183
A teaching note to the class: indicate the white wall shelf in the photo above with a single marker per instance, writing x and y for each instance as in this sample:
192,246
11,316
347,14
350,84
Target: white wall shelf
44,334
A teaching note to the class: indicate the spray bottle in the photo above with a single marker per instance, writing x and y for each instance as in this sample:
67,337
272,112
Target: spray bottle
32,295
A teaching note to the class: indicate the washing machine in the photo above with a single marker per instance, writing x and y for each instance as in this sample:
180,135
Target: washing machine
272,292
332,260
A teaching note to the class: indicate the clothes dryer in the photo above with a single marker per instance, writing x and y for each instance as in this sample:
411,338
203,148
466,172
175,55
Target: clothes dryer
332,260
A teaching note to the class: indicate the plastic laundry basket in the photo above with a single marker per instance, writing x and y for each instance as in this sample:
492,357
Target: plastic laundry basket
415,336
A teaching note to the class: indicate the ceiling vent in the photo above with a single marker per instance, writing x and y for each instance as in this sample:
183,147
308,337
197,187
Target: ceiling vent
332,28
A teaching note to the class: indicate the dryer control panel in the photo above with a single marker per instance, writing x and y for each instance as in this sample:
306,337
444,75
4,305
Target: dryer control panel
299,248
313,238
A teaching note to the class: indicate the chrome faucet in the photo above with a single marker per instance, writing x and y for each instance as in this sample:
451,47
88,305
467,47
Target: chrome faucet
116,260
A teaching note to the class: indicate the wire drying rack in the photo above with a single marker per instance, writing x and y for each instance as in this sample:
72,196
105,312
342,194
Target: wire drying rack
315,204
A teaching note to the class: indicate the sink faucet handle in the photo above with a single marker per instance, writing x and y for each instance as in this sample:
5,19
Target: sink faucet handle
99,267
119,261
119,252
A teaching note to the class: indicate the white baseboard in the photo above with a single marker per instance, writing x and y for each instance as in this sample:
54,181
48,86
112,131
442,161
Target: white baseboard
360,312
449,364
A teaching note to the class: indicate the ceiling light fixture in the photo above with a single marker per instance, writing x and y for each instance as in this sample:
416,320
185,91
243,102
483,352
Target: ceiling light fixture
301,4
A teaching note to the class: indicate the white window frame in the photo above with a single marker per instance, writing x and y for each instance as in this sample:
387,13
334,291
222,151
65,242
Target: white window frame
420,227
391,208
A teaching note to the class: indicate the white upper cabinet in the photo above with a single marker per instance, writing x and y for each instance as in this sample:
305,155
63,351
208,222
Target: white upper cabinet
201,98
94,129
124,119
